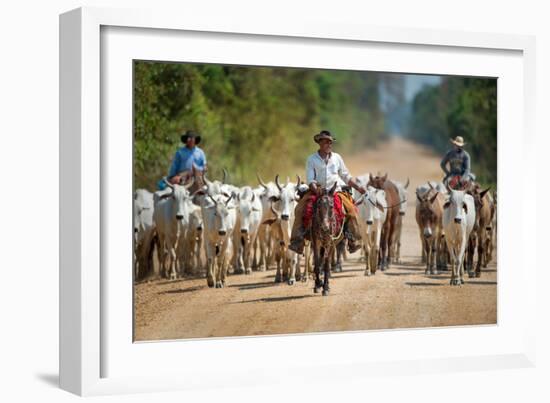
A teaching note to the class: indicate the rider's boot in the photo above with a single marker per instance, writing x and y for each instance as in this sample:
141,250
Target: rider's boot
297,241
351,232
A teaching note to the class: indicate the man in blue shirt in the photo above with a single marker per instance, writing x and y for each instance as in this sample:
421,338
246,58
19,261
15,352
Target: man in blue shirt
186,158
458,161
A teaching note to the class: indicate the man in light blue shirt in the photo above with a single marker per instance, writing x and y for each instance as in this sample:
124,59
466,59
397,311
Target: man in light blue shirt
186,158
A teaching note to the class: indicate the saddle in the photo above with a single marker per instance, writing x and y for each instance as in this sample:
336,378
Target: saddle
339,211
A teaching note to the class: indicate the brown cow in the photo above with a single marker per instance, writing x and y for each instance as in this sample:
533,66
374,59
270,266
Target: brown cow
429,213
482,233
388,237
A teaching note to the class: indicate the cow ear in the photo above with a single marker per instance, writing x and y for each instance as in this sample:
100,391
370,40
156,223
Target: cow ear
358,202
379,206
447,204
465,208
269,221
273,199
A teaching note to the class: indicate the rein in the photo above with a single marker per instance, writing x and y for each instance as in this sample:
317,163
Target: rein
332,238
395,205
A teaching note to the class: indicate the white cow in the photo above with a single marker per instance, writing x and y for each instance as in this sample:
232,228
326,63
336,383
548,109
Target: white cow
458,222
172,209
372,208
190,242
249,215
144,233
283,213
402,189
219,217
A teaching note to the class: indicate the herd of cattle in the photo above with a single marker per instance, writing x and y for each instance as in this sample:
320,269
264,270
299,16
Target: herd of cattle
219,226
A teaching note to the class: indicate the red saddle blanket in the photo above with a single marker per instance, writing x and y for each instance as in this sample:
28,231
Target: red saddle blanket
338,210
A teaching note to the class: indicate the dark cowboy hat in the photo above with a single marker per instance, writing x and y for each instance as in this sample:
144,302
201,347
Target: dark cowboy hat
325,134
189,134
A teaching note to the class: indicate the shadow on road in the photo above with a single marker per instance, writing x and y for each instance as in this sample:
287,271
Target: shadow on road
422,284
253,286
183,290
481,282
275,299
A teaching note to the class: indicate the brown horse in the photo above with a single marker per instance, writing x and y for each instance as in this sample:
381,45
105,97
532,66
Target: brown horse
393,201
326,234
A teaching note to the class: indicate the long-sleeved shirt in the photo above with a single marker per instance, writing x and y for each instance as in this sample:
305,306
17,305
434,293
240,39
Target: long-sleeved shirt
459,163
185,158
326,173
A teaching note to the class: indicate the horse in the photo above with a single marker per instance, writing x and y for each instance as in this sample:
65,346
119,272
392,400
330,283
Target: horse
326,234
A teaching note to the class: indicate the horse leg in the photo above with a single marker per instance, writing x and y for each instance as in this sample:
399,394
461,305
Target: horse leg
339,252
326,287
317,260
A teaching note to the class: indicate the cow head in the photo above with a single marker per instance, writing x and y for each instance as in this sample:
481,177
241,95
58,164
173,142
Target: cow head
247,206
456,204
372,204
287,199
377,181
181,205
426,210
220,212
402,190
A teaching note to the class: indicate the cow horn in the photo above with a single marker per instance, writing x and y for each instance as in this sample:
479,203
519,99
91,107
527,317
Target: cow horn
214,200
229,199
168,183
299,180
370,178
385,176
277,183
408,183
430,185
434,197
225,175
191,183
260,180
418,197
287,181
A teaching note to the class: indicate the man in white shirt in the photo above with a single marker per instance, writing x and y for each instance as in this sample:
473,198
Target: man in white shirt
323,169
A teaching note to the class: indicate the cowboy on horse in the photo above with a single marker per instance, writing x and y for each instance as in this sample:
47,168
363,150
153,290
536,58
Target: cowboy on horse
324,170
187,160
458,175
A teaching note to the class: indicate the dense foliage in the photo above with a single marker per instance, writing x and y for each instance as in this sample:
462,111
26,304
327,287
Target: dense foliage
464,107
250,118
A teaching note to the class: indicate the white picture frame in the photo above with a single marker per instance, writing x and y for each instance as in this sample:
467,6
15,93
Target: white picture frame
88,337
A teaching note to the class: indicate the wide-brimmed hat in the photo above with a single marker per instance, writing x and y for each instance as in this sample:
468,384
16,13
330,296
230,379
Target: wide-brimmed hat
189,134
325,134
458,141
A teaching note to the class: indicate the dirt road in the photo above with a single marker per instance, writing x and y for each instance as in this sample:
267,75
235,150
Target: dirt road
401,297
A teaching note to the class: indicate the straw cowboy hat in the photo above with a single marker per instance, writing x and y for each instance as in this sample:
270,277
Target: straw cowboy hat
458,141
325,134
188,134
